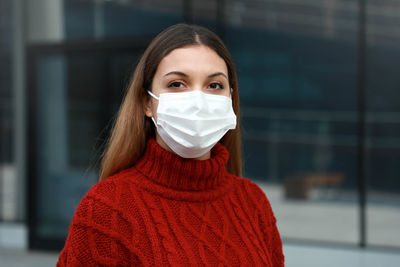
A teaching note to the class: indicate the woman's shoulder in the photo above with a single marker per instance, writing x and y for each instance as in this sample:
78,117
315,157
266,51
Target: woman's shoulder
100,224
254,193
110,187
250,187
105,204
109,194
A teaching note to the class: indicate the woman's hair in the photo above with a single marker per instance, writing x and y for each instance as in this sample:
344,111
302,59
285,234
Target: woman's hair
132,128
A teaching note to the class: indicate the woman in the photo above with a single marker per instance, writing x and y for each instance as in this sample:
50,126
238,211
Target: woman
170,191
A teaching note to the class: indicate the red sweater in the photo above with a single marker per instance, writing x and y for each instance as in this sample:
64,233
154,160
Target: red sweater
170,211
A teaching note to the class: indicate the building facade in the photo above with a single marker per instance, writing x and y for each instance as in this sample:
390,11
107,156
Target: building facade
319,96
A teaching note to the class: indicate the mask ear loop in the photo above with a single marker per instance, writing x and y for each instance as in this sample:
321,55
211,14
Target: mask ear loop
155,97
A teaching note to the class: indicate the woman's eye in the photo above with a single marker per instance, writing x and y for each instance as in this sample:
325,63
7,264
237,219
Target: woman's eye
176,85
216,86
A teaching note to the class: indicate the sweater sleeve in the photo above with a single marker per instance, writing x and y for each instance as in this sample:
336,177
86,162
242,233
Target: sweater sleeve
97,237
269,230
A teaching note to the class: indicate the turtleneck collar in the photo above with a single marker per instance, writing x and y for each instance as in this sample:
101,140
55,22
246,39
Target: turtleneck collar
172,171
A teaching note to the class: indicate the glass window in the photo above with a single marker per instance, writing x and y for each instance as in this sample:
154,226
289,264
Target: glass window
77,96
105,19
297,68
298,77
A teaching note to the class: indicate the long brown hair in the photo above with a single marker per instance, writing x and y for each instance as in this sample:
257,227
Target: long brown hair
132,128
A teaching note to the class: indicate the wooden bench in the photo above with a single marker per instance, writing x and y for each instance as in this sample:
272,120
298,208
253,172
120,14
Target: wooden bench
298,186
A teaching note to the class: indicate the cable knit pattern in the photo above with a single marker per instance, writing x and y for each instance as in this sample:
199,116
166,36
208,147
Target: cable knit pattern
169,211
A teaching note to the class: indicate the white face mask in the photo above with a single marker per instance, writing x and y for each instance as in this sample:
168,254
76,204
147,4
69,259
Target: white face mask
191,123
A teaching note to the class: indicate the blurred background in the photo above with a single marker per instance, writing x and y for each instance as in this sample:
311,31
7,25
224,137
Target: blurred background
319,83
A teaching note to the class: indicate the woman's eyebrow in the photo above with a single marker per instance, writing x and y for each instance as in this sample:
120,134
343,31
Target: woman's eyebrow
185,75
217,74
177,73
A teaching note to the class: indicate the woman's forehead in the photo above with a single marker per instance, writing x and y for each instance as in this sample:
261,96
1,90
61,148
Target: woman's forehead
192,60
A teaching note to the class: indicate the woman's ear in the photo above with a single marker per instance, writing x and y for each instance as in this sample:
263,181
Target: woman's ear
148,107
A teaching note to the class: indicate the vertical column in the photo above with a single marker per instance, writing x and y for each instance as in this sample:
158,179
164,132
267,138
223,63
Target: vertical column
361,109
18,89
46,25
33,22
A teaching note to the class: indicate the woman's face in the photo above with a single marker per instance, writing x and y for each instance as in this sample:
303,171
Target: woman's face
189,68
